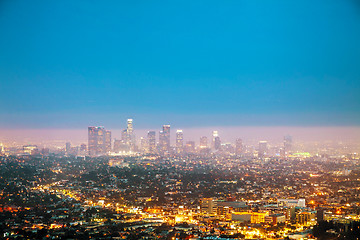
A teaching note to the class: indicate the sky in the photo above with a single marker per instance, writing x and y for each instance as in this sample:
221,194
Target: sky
73,64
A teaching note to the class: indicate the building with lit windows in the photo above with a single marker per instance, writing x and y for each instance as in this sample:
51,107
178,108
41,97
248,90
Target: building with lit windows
30,149
164,139
151,141
208,206
129,136
203,142
179,141
249,216
216,142
275,219
96,141
291,202
108,147
143,144
304,217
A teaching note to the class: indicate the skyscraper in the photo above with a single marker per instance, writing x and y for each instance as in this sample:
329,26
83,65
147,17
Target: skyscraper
127,135
124,136
67,147
262,149
143,144
179,141
164,139
151,140
107,141
287,144
161,141
130,126
216,142
166,130
203,142
238,146
96,141
130,138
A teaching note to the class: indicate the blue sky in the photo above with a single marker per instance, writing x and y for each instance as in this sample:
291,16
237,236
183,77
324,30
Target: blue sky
70,64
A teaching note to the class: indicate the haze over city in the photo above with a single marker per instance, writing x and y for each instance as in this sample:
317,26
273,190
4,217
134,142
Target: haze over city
249,134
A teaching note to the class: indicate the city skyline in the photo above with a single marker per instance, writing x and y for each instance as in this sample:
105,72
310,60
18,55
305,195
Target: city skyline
101,143
228,134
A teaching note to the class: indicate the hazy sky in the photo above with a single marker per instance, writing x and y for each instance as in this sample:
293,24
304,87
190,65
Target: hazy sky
70,64
249,134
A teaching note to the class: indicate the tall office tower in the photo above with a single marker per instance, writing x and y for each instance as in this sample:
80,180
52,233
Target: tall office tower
287,144
96,141
166,130
214,135
124,135
130,131
161,141
130,126
151,141
238,146
164,139
262,149
107,141
179,141
203,142
216,142
130,137
68,147
143,145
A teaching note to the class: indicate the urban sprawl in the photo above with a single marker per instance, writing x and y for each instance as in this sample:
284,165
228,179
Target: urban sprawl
148,188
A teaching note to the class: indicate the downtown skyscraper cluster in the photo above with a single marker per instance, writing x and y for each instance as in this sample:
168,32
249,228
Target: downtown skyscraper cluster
100,143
